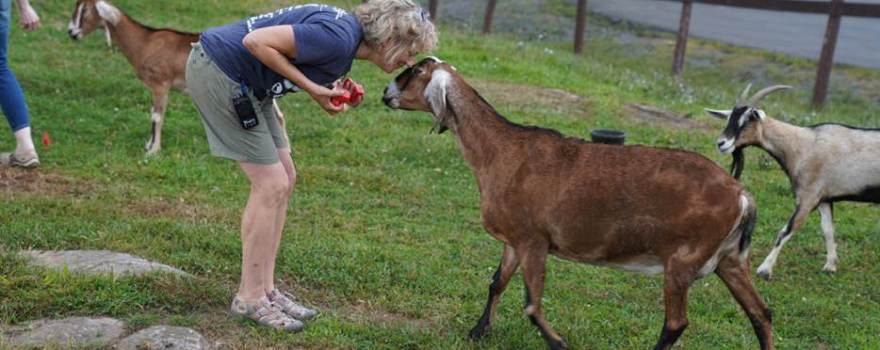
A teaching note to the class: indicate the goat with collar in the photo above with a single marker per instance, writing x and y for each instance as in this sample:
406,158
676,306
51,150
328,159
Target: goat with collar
825,163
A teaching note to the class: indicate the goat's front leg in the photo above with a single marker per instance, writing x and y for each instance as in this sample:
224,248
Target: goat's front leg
797,219
534,258
505,271
157,117
826,210
675,291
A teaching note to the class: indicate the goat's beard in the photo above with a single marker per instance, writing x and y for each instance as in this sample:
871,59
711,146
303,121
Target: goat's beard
438,128
440,121
442,116
739,159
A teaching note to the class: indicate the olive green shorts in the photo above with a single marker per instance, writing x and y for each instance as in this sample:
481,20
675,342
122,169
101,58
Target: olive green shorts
212,92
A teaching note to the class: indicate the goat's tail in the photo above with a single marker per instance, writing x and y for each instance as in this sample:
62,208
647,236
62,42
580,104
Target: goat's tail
747,223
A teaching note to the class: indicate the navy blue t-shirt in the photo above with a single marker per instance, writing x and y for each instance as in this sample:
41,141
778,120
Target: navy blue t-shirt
326,38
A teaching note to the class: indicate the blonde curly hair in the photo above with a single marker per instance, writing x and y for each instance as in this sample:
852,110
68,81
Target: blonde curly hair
400,24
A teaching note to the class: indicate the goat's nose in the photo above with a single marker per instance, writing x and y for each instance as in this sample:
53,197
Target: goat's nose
721,143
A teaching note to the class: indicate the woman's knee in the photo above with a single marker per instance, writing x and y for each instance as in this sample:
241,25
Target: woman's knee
279,193
275,189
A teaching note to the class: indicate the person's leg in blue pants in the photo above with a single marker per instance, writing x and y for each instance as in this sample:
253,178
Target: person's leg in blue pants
12,100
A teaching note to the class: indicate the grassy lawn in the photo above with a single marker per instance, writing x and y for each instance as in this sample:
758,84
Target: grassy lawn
384,233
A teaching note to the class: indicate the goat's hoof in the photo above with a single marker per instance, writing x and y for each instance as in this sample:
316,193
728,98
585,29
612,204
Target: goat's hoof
151,149
829,268
478,332
765,274
558,345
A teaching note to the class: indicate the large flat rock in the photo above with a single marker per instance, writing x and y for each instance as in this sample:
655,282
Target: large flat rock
96,262
165,338
69,333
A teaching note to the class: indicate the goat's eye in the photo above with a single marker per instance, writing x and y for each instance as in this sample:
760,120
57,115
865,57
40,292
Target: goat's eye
418,70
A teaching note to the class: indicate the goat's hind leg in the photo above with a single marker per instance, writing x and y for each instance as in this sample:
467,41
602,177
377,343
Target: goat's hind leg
533,260
735,274
826,211
157,117
505,271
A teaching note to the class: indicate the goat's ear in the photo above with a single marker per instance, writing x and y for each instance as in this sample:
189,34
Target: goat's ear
723,115
108,12
435,92
758,114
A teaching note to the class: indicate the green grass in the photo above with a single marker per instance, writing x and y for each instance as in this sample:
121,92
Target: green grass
383,232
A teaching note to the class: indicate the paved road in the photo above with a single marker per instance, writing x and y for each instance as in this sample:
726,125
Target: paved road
792,33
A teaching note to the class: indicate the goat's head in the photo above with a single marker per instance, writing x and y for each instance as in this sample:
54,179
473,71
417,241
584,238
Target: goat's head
424,87
91,14
743,121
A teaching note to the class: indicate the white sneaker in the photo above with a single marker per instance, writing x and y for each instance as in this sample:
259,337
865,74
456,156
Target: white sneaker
26,160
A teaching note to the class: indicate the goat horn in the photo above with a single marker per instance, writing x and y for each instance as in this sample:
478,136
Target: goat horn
756,99
744,95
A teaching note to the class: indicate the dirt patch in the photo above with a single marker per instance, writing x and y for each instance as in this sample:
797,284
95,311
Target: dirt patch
522,97
363,312
657,116
178,208
225,332
37,182
232,333
16,181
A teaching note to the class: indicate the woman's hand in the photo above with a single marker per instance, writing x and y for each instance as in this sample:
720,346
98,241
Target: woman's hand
29,18
352,86
322,95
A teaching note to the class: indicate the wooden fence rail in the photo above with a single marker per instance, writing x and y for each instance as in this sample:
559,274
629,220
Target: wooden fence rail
849,9
834,8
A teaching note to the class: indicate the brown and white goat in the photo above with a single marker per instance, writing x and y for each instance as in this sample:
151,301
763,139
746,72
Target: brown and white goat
157,55
825,163
630,207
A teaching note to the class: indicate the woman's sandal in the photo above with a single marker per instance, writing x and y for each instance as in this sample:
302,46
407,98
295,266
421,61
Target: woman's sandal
286,303
265,313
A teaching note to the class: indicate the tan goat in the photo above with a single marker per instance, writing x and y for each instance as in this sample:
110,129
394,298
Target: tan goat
825,164
631,207
157,55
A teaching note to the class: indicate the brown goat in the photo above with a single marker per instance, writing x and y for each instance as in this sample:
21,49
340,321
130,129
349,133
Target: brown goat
157,55
631,207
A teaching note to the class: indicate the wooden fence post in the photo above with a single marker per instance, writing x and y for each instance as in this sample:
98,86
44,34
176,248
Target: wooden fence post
487,20
432,9
681,43
580,26
826,58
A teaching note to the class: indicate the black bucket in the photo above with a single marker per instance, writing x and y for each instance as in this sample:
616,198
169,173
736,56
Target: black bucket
611,137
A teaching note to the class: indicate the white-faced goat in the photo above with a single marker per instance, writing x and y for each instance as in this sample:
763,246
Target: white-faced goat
157,55
825,163
631,207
